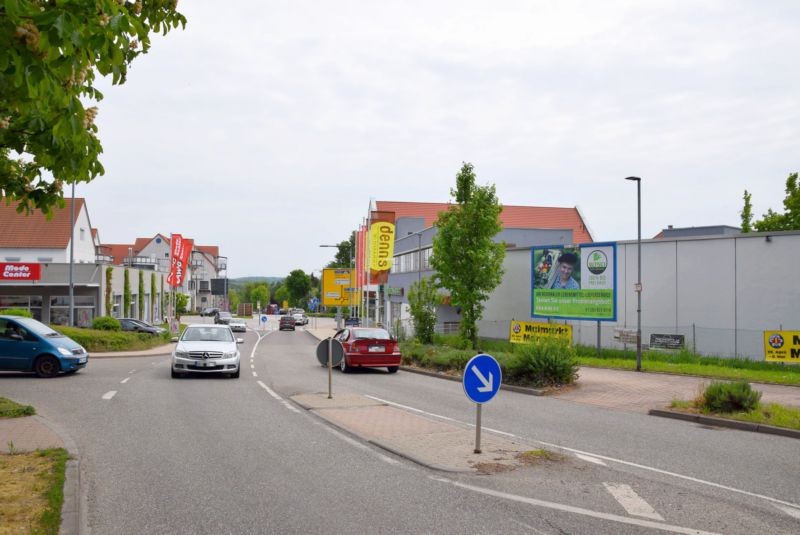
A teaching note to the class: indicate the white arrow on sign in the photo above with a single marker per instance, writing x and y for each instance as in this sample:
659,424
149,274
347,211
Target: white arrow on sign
487,384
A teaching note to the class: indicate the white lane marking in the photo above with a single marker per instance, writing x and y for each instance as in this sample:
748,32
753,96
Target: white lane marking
791,511
611,459
590,459
255,374
252,366
632,502
575,510
110,394
125,380
132,371
276,396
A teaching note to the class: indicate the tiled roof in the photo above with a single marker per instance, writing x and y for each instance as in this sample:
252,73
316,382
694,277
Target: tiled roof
212,250
118,251
527,217
34,230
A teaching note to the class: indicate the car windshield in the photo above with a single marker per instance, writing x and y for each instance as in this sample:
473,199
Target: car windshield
38,328
224,314
377,334
207,334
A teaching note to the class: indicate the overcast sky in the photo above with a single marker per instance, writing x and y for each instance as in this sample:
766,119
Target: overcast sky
266,127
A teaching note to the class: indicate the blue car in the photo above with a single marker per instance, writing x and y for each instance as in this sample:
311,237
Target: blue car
28,345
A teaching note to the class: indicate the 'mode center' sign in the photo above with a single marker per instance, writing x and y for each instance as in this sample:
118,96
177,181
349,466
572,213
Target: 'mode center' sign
18,271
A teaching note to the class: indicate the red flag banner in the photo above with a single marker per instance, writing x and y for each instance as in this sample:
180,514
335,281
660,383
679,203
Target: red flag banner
381,246
180,249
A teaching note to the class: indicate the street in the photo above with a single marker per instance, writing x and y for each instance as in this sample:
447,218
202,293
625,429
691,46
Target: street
218,455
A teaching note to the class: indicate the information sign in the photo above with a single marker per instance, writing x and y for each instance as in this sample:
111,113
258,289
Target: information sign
338,286
482,378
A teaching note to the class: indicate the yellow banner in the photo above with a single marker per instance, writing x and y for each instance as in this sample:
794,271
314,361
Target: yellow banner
338,287
381,245
521,332
782,346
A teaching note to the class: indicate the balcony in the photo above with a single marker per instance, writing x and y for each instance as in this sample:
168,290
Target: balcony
104,259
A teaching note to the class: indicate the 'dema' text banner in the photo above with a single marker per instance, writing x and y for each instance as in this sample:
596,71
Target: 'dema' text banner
524,332
574,282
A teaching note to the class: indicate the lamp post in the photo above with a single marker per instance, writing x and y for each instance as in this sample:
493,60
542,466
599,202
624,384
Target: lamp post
639,274
72,259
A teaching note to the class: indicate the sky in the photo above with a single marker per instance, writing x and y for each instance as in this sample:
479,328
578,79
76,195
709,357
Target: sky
265,127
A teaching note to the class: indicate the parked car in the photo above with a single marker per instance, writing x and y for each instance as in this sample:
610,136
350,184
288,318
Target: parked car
28,345
210,311
368,348
134,325
352,322
204,348
286,323
223,318
300,319
238,325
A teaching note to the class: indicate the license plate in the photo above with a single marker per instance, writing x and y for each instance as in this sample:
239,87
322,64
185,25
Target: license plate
377,349
82,360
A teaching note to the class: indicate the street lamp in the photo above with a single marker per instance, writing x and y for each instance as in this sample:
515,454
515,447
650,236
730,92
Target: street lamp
639,275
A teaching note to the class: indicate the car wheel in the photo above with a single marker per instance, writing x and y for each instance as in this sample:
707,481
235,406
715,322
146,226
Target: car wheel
235,375
392,369
47,366
175,374
343,365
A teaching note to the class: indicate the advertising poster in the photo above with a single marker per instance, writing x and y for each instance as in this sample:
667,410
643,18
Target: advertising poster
782,346
574,282
523,332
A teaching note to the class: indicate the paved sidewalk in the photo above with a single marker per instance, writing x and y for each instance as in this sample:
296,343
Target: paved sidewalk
27,434
166,349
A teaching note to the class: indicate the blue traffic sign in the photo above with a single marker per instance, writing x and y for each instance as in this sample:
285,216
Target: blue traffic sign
264,318
482,378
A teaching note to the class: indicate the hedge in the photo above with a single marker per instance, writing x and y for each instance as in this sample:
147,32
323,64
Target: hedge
101,341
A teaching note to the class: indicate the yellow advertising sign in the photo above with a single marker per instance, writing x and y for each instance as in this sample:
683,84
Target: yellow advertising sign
782,346
338,287
522,332
286,304
381,245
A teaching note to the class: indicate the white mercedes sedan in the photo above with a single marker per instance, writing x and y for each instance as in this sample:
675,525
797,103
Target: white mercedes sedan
204,348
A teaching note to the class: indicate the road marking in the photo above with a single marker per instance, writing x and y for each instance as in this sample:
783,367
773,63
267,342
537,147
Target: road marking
574,510
132,371
607,458
125,380
276,396
791,511
252,366
590,459
255,374
632,502
110,394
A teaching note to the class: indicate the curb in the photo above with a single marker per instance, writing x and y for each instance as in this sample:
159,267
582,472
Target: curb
73,510
724,422
458,378
164,350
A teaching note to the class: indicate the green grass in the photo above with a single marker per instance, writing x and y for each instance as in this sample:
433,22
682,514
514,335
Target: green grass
50,521
772,414
12,409
101,341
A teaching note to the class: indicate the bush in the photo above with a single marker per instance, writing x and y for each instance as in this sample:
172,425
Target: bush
25,313
731,397
99,341
106,323
544,362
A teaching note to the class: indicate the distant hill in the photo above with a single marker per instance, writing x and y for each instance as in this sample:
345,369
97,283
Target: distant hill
244,280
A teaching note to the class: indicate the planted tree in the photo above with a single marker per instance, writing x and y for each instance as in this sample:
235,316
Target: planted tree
298,284
345,253
423,299
126,293
50,54
109,278
772,221
153,298
141,294
260,294
467,261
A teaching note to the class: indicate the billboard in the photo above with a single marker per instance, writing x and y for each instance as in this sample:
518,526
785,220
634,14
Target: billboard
338,287
574,281
523,332
219,286
381,246
782,346
18,271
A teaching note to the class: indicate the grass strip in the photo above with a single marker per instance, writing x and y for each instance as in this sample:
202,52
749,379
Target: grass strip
95,340
12,409
773,414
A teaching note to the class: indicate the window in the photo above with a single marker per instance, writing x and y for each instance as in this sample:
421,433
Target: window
45,259
12,259
84,310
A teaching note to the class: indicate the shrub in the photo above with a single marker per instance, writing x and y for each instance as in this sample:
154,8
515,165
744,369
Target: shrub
730,397
544,362
106,323
25,313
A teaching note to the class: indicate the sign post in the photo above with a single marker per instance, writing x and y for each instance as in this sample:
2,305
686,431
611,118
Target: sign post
481,381
330,353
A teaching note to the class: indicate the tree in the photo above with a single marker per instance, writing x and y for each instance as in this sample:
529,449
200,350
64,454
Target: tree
260,295
282,294
181,302
109,276
126,293
233,299
345,253
50,54
776,221
153,298
298,285
747,213
423,298
467,260
141,294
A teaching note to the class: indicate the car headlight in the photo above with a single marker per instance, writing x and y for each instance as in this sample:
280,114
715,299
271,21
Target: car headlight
230,354
65,351
182,354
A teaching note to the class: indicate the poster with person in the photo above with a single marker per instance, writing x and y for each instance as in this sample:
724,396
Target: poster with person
574,282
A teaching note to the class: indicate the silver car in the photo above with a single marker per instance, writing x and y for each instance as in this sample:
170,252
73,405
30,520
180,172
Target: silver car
204,348
238,325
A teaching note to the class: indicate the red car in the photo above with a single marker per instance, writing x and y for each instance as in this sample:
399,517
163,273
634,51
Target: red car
368,348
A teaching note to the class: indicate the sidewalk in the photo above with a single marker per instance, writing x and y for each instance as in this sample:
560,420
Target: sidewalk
166,349
26,434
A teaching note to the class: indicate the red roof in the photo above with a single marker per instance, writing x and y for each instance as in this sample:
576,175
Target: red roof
526,217
117,251
212,250
34,230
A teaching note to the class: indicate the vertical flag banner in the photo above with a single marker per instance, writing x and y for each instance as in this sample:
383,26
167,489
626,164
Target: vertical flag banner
180,249
381,246
574,282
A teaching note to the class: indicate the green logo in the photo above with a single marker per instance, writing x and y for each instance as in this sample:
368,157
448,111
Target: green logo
598,262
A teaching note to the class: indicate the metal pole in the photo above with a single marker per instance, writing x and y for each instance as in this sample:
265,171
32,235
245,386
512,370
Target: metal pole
598,338
478,428
72,259
639,277
330,367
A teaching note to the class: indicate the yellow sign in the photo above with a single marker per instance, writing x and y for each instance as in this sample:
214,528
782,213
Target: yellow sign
338,287
381,246
286,305
522,332
782,346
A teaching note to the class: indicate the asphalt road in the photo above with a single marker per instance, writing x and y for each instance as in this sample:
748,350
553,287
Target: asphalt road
217,455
